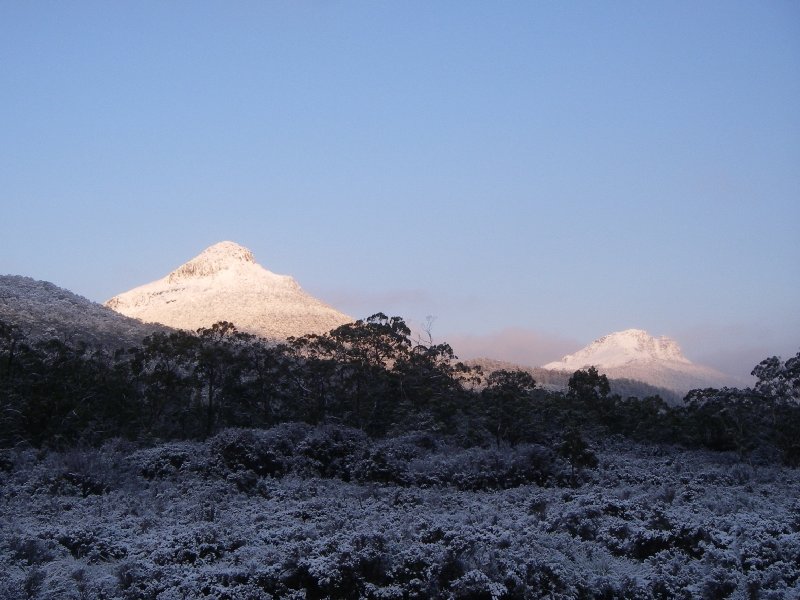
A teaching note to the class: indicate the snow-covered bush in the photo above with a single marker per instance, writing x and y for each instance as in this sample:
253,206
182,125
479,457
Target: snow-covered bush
264,452
174,522
481,469
167,460
331,451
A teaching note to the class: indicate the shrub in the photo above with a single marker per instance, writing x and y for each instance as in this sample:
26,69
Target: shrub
86,545
484,469
332,451
166,460
263,452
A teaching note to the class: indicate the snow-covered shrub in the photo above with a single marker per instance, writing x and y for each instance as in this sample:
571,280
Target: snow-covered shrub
388,460
135,580
482,469
91,471
205,544
28,550
720,583
381,465
582,522
264,452
85,544
546,579
190,533
165,460
331,451
649,542
475,585
740,473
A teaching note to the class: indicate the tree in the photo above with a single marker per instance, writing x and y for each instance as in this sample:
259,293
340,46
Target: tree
14,354
588,399
266,396
365,352
431,392
219,369
508,405
778,379
778,389
588,386
164,371
577,453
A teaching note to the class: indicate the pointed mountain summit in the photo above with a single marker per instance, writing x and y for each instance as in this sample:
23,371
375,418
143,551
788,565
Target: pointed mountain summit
635,354
225,283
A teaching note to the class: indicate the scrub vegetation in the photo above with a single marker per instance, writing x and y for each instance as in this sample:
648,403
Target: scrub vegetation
362,463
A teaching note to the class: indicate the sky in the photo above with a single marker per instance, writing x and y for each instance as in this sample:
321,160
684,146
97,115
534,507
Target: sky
533,175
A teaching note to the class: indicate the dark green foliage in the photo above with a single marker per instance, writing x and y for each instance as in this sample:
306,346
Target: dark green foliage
588,385
369,376
58,394
750,421
508,405
577,453
163,372
588,397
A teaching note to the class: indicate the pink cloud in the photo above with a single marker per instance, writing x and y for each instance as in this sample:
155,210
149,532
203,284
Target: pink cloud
736,349
521,346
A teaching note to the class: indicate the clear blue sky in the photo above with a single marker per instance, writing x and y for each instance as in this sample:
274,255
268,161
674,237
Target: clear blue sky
527,172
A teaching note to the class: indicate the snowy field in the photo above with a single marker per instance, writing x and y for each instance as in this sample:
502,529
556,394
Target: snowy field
198,520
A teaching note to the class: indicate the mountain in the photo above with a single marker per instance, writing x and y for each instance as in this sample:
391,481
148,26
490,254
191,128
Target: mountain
635,354
224,283
43,310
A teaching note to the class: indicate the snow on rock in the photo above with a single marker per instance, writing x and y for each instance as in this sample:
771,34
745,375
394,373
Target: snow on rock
224,283
635,354
621,348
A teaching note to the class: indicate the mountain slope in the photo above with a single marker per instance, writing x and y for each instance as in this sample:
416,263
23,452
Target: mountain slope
44,310
224,283
634,354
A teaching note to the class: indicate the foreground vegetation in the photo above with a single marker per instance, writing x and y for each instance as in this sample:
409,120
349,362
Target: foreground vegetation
361,463
300,511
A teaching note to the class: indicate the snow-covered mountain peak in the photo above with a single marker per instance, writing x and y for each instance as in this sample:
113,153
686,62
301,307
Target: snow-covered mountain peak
225,283
212,260
635,354
622,348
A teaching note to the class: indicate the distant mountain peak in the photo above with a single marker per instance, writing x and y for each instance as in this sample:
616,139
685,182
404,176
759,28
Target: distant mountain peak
635,354
623,348
212,260
225,283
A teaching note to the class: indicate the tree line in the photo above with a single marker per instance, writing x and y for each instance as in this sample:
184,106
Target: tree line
369,375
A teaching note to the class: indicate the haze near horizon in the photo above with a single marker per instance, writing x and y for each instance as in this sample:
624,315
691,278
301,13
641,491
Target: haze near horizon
535,176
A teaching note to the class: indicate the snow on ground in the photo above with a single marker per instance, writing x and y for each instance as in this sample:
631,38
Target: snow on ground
170,522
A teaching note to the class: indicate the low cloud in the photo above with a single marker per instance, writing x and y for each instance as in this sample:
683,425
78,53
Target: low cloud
521,346
736,349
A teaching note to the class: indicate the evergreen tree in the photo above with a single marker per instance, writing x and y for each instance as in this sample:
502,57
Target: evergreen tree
508,405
